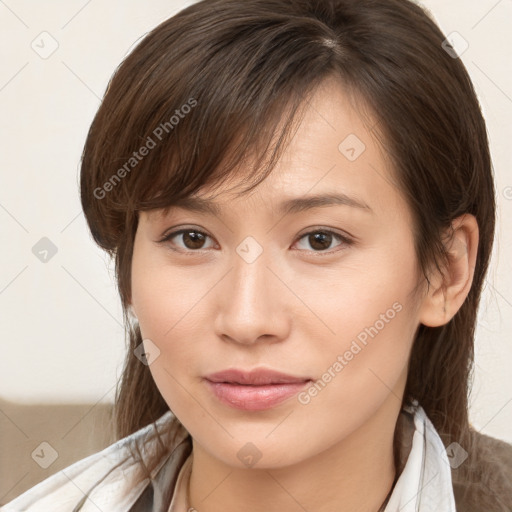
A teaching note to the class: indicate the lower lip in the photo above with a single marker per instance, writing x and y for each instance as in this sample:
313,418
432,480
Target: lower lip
254,398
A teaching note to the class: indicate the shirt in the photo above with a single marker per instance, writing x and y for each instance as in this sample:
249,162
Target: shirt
424,484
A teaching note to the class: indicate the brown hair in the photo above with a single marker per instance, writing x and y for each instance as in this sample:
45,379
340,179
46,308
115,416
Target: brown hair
242,69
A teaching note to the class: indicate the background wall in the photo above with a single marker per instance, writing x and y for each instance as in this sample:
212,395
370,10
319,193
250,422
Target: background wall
61,324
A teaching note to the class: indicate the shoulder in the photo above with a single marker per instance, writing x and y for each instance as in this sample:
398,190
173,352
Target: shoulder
112,474
484,480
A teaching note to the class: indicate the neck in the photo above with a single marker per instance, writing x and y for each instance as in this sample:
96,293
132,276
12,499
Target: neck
356,473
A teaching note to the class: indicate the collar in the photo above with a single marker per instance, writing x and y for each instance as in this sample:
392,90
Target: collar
425,483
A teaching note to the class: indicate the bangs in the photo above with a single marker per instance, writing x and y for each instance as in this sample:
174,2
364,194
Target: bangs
190,114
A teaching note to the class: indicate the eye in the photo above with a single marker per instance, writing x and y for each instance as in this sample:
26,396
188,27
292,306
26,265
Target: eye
321,239
193,240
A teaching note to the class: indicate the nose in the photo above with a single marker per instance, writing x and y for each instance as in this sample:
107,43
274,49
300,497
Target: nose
253,303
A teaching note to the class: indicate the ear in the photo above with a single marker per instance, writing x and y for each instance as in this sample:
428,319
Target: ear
448,291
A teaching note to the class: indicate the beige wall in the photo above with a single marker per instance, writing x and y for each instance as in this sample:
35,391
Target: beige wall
38,440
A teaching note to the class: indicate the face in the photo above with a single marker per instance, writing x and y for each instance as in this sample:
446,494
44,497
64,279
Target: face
322,291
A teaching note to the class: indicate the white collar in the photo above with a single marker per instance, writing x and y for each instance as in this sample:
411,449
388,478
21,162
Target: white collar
425,483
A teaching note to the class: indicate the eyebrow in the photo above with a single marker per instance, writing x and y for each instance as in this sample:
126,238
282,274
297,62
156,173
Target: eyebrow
289,206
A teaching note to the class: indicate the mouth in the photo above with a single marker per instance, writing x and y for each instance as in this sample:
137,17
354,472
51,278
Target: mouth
255,390
256,377
254,398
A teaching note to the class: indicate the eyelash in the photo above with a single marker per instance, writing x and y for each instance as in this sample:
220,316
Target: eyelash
344,239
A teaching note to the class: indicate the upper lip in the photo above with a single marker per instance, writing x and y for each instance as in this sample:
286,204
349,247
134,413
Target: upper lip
256,377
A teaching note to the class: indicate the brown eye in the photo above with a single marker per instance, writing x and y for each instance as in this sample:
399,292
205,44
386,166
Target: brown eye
191,239
321,240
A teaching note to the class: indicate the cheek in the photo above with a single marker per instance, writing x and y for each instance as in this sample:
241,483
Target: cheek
370,335
368,298
168,319
171,313
372,324
358,373
164,297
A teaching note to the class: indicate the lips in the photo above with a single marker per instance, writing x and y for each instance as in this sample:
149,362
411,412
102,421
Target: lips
256,377
254,390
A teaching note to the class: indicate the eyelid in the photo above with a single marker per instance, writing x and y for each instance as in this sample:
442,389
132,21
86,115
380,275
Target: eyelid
345,238
171,233
166,237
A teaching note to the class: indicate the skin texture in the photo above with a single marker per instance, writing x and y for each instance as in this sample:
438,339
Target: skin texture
294,311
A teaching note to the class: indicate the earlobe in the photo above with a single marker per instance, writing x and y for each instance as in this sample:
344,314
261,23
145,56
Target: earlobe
448,291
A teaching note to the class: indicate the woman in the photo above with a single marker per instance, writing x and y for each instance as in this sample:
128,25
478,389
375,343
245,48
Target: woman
299,198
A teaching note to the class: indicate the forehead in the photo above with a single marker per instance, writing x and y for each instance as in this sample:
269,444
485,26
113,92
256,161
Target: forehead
334,158
336,150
